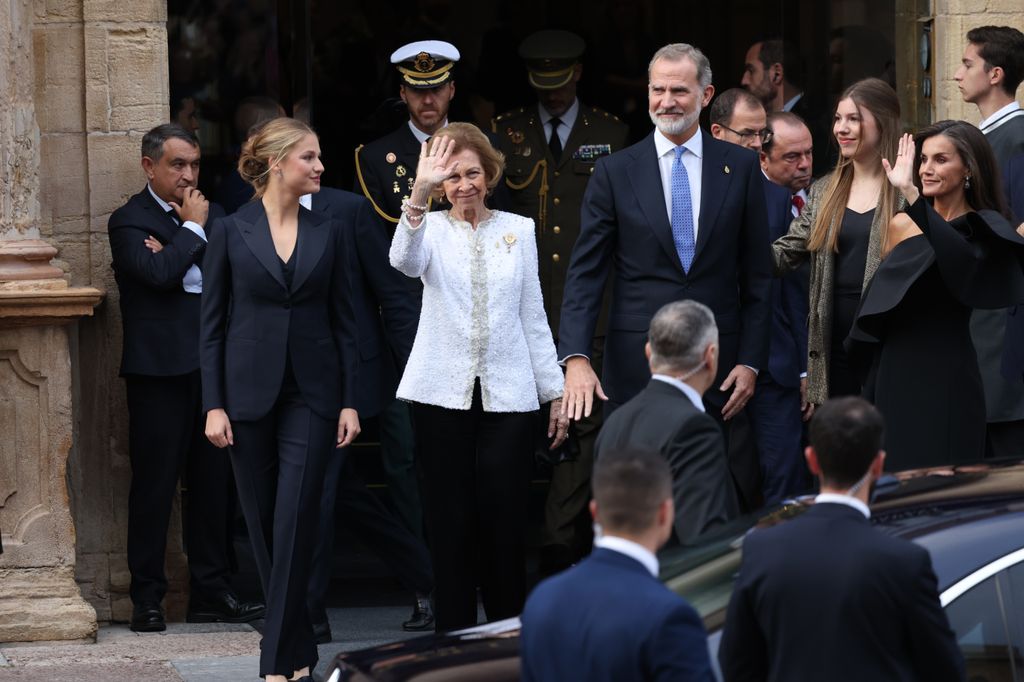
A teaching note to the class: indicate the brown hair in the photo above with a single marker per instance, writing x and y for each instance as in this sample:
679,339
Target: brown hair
985,191
629,485
880,100
468,136
268,145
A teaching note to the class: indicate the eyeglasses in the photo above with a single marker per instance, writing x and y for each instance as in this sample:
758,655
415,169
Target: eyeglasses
765,134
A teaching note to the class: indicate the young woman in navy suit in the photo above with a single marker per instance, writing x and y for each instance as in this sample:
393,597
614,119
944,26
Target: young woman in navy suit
277,352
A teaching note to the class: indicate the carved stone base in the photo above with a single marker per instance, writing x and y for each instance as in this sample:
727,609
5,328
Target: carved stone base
39,599
43,604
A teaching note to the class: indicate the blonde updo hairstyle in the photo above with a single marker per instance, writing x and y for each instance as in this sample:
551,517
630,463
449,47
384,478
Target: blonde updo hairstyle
468,136
270,143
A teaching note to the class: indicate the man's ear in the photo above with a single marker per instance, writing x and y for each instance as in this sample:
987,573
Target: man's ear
593,509
878,464
717,131
996,75
148,167
764,159
777,73
709,92
812,461
647,351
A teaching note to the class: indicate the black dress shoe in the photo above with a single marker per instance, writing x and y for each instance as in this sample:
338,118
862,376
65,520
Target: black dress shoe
322,633
147,616
222,608
422,617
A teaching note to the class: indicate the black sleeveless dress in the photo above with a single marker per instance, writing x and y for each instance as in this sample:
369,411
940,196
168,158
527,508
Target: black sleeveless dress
913,329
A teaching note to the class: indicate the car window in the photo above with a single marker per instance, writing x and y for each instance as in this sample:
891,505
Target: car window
979,619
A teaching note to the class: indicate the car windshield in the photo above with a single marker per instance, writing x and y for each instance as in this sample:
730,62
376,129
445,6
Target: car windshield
703,573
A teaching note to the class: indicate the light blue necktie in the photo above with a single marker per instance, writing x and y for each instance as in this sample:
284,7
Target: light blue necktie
682,211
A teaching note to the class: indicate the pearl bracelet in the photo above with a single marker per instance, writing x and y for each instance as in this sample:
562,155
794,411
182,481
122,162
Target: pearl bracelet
406,205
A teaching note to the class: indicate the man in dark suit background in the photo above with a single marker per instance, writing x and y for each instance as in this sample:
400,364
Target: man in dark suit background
668,417
386,316
609,618
159,289
1013,347
678,215
826,596
775,409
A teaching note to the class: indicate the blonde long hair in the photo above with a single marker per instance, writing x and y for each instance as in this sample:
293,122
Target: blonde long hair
270,143
880,100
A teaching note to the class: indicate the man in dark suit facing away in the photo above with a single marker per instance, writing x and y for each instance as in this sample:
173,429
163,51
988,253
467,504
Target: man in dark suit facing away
826,596
157,241
668,417
609,618
679,215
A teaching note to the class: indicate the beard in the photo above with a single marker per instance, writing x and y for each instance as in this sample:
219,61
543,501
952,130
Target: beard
676,126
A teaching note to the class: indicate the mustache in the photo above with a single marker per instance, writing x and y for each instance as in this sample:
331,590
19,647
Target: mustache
662,112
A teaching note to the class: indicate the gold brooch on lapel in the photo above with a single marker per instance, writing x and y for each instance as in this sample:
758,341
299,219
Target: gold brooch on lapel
510,239
516,136
400,171
726,170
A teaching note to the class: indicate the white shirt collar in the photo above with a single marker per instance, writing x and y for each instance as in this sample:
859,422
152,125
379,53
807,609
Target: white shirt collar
306,201
694,145
421,136
836,498
163,204
689,391
630,549
568,119
791,102
1008,109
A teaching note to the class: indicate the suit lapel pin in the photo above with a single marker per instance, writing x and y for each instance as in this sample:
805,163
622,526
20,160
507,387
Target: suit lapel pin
391,158
400,171
510,239
726,169
395,188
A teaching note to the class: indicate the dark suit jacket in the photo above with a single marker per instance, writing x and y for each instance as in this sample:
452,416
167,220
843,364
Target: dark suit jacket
787,345
662,418
609,619
251,320
826,596
159,318
625,229
1013,344
387,311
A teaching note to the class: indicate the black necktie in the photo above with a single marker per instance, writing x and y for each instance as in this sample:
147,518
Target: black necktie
555,142
174,216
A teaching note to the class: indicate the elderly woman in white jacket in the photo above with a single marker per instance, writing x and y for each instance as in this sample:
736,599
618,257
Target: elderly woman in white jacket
482,365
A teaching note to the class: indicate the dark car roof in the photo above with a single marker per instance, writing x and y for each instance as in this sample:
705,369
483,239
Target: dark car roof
966,516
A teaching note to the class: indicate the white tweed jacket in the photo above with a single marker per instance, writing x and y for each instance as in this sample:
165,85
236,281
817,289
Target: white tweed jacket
482,315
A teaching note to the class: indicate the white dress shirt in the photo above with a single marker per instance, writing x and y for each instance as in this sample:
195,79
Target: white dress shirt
791,102
1000,117
192,282
836,498
630,549
482,315
568,120
665,148
689,391
421,136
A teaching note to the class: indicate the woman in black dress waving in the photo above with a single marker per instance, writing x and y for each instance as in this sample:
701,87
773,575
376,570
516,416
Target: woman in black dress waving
951,251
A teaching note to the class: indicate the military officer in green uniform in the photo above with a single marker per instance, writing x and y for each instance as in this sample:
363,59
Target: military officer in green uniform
550,150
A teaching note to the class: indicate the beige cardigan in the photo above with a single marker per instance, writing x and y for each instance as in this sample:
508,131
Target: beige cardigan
790,251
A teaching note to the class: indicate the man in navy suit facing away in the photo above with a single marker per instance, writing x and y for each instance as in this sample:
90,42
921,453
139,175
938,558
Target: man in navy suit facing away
609,618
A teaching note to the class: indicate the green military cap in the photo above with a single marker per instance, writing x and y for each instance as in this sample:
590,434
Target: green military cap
550,57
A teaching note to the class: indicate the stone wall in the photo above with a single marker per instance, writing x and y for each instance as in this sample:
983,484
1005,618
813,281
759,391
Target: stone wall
101,82
953,19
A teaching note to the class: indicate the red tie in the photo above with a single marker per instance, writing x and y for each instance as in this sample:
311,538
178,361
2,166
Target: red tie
798,203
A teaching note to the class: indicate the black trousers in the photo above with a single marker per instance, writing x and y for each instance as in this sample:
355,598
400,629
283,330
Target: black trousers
165,440
346,495
279,462
475,476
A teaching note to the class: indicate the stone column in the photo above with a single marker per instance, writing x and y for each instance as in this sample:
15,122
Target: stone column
39,598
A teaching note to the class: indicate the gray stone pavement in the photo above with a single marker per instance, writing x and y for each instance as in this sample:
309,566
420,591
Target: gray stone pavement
187,652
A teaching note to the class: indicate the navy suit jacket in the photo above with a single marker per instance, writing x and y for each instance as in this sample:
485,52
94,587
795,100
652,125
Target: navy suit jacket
251,320
160,320
827,596
387,310
787,345
1013,344
625,229
609,619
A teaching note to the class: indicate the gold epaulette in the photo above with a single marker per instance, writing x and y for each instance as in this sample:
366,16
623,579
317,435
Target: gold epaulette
366,192
604,113
542,193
